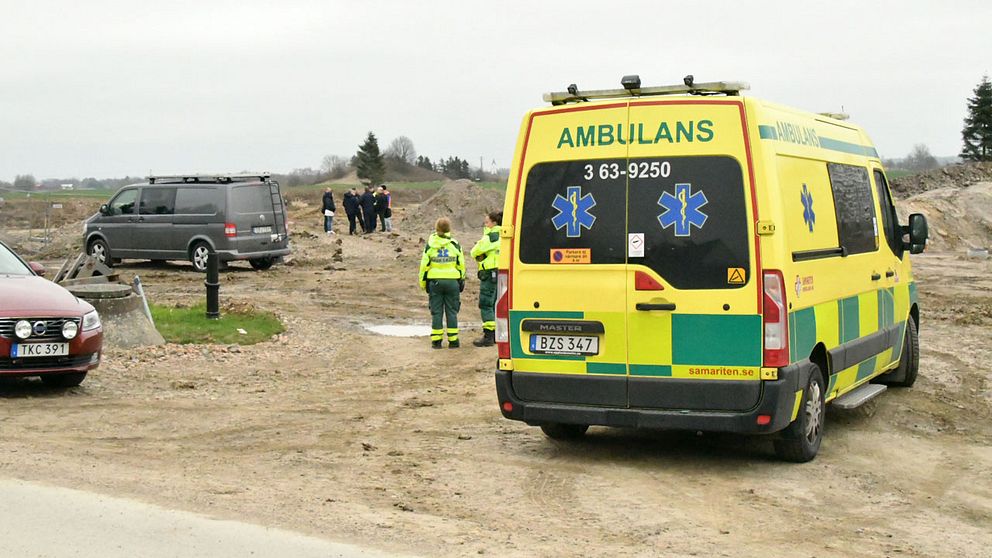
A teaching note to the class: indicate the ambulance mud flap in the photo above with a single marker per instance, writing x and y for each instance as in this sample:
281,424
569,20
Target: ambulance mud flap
777,400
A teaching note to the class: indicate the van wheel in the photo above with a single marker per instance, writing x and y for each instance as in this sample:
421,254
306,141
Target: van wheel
909,363
198,256
261,264
63,380
800,441
99,250
559,431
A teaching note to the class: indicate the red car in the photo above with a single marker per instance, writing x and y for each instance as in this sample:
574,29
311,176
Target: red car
44,330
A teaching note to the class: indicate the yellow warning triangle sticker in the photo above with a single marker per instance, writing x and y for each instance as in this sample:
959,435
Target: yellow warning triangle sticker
735,276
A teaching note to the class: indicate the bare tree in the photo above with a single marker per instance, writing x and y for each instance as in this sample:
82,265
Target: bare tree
402,149
334,166
920,159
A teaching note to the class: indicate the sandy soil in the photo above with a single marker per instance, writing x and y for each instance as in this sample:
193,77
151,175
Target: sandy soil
334,431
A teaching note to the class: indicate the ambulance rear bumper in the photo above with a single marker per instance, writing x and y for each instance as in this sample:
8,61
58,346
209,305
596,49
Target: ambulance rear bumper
777,400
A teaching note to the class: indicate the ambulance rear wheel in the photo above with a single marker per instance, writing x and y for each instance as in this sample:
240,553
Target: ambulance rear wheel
800,442
558,431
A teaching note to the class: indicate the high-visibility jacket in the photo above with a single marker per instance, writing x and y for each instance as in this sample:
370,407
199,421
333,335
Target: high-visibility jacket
442,259
486,250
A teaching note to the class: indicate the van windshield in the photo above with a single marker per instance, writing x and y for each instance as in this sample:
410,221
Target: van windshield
251,199
691,211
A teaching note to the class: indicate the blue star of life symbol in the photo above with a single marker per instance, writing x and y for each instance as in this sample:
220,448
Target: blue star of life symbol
808,214
682,209
573,211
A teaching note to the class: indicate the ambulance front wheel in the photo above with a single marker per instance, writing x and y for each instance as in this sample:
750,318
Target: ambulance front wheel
800,441
909,364
559,431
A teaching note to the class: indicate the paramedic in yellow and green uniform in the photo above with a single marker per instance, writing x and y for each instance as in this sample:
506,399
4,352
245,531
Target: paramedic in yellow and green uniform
486,252
442,275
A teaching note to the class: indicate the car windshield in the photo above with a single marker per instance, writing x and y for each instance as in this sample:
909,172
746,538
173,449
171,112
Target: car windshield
10,264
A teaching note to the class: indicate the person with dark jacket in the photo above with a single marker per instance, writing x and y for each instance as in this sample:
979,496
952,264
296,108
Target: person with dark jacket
381,206
352,209
328,211
368,210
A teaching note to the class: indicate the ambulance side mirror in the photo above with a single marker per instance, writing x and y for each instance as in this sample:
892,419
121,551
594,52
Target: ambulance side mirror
918,233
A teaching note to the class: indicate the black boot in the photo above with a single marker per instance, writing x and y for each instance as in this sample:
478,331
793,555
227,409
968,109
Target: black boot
488,339
453,344
436,344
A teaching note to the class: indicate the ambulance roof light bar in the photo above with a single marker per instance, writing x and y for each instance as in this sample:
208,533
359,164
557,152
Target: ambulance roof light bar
632,88
207,178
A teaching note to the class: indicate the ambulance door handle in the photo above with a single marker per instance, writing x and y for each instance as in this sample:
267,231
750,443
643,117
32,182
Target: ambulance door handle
648,306
876,276
890,273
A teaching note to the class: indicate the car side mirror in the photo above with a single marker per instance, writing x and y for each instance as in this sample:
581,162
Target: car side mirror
37,268
104,209
918,232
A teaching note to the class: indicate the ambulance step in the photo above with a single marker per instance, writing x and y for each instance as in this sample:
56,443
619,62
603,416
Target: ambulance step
858,397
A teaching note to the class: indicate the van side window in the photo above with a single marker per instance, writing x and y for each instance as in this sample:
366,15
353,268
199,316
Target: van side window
888,212
157,201
197,201
123,204
857,228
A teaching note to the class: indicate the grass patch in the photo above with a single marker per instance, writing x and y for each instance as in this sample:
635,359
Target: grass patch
190,325
57,195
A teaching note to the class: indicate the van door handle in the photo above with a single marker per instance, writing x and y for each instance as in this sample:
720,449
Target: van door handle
649,306
875,276
890,273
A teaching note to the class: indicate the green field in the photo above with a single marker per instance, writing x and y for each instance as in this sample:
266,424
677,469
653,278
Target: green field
56,195
190,325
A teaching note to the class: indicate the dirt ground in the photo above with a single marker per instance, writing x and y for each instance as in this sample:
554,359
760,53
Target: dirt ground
334,431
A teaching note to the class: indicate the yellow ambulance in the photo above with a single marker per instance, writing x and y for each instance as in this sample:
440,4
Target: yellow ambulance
684,257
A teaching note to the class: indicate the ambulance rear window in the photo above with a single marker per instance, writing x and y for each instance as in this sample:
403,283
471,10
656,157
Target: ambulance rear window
571,218
693,215
690,214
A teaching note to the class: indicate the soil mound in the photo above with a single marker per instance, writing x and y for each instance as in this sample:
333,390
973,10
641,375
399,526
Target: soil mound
462,201
959,218
952,176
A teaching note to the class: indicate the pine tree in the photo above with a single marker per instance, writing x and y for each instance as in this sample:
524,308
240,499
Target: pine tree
977,132
369,162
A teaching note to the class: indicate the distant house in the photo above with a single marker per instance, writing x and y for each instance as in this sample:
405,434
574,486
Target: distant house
67,187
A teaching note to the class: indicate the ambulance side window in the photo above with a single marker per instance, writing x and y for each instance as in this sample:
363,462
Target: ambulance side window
857,227
890,222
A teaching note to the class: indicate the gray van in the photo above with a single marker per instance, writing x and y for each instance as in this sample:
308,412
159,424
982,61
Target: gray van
241,217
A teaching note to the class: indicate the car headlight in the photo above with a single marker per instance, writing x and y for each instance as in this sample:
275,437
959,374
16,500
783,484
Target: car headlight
22,329
91,321
69,329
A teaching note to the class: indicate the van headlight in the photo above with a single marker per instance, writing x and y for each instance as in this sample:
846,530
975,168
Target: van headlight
91,321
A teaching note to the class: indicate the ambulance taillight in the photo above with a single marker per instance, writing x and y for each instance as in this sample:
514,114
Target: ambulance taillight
776,320
503,314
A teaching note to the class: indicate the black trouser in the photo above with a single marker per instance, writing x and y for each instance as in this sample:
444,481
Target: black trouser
351,222
382,220
368,220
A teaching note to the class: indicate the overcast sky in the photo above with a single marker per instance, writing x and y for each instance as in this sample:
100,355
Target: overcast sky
107,88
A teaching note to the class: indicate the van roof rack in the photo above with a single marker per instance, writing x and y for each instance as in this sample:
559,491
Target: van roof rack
632,88
207,178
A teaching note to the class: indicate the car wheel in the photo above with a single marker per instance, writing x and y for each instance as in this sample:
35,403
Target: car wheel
99,250
261,264
558,431
198,256
63,380
800,441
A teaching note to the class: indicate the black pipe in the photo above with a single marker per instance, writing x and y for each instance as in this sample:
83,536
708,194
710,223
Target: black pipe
213,286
